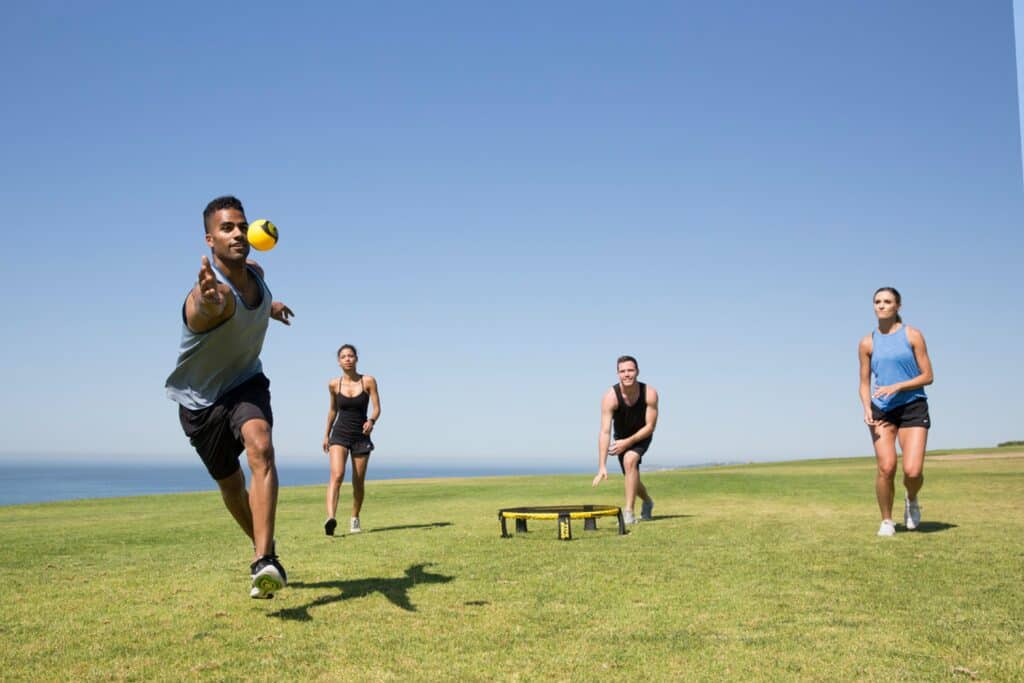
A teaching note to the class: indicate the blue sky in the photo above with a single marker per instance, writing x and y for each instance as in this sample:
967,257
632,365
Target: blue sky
493,202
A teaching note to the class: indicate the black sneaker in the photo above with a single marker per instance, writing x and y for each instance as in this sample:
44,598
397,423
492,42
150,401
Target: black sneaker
268,577
330,525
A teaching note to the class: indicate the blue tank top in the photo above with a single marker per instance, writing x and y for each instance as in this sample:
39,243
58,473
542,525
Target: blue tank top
893,361
212,363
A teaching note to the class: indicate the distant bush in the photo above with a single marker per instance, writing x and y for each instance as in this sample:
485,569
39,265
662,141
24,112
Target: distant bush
1010,443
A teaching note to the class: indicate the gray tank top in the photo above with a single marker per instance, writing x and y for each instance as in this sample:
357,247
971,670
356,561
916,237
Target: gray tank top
212,363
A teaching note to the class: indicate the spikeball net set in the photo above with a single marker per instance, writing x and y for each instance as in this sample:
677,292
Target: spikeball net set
564,514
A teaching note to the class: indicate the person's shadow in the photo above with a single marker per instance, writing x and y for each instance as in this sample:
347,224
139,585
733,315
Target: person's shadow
655,518
929,527
429,525
395,590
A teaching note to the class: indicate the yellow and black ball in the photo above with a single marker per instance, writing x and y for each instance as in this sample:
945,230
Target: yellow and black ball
262,235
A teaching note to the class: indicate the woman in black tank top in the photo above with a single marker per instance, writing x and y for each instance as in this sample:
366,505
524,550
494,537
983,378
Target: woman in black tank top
348,433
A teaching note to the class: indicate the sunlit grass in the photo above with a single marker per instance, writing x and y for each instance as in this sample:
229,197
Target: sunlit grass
747,572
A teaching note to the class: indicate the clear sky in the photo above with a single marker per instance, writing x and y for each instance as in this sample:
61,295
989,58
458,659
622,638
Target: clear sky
493,201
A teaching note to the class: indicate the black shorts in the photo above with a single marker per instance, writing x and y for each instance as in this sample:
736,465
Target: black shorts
640,447
216,432
357,444
913,414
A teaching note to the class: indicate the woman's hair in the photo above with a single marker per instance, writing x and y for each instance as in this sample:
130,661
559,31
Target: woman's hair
895,294
348,346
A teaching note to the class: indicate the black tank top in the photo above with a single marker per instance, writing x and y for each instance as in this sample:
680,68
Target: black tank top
629,420
352,410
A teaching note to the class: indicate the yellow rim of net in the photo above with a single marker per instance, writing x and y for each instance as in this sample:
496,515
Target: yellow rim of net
556,511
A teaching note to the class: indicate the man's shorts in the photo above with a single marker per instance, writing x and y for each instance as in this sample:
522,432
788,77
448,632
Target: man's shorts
640,447
913,414
216,431
358,444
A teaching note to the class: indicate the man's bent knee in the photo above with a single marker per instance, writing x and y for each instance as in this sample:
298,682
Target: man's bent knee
261,459
259,447
256,436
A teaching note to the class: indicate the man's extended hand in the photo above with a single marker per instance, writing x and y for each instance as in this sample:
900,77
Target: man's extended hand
280,312
210,290
602,474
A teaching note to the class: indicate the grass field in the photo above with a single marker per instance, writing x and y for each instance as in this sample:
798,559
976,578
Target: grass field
754,572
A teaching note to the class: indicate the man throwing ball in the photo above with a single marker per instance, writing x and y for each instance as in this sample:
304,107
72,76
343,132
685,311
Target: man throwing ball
633,408
223,395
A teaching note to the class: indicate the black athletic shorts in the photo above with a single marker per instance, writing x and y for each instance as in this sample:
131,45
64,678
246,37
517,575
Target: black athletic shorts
640,447
357,444
913,414
216,432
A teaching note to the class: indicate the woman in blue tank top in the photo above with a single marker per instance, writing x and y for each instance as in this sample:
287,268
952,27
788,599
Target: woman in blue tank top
348,433
894,370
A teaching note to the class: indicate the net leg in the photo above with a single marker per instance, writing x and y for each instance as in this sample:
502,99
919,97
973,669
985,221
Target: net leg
590,524
622,524
520,526
564,527
504,529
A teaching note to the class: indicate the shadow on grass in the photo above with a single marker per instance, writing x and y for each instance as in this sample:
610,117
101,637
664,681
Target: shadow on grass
431,525
929,527
395,590
658,518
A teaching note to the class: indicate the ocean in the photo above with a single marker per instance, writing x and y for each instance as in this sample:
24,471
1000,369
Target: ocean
24,481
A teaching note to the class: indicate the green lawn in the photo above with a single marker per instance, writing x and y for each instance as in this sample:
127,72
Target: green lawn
754,572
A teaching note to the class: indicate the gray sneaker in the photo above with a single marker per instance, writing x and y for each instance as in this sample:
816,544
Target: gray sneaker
647,510
355,528
911,514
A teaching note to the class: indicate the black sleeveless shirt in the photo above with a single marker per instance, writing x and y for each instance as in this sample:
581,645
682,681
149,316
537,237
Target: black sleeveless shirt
629,420
352,411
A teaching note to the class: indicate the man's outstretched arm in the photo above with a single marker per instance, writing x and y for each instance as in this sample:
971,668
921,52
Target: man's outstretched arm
608,404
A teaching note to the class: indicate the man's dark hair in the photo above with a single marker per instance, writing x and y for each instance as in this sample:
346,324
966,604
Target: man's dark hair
215,205
623,359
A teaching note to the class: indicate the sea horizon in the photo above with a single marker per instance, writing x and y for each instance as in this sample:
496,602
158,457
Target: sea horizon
26,480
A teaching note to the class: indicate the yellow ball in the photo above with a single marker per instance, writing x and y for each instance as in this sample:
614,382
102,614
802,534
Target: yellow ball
262,234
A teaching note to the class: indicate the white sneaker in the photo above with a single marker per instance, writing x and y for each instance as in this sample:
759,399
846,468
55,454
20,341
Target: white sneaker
627,517
355,528
911,514
887,528
268,577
